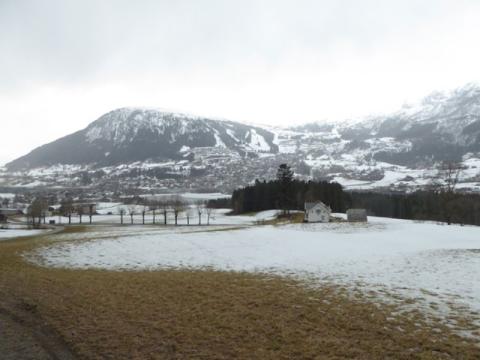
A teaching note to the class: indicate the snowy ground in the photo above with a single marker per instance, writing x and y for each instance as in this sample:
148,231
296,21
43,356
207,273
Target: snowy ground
437,265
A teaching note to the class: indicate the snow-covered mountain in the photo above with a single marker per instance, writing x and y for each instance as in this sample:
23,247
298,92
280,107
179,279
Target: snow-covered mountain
154,148
443,126
399,150
134,134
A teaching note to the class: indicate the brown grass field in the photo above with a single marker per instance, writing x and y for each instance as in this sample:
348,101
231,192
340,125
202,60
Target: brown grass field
210,315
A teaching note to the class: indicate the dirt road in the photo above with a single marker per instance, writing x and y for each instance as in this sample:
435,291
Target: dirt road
24,336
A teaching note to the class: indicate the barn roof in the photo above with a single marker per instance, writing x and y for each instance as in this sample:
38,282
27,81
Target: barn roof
311,205
9,211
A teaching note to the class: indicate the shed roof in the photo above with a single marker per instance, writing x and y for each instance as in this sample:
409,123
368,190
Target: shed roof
9,211
311,205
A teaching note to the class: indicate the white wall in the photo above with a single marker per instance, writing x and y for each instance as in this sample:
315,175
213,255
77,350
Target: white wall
318,215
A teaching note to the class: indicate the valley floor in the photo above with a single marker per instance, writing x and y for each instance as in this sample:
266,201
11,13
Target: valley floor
389,288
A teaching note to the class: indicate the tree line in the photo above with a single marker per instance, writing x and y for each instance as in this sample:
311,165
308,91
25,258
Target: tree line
442,206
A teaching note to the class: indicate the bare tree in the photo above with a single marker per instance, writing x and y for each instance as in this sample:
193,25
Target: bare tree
31,215
199,207
165,206
448,175
80,212
210,214
122,212
44,214
144,210
153,207
178,206
67,208
131,212
90,212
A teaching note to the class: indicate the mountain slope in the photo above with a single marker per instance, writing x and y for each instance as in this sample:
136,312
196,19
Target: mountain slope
442,127
131,134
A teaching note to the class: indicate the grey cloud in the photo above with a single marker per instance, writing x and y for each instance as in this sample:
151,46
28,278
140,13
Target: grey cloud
80,41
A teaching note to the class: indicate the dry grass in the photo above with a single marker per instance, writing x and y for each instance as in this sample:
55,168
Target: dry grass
294,218
214,315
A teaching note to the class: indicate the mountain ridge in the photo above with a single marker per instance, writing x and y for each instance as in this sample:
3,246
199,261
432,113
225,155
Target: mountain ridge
134,134
379,151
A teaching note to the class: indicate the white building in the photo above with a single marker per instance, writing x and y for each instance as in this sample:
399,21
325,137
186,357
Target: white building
317,212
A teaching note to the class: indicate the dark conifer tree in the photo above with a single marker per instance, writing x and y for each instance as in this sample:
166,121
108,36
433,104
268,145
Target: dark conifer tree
285,179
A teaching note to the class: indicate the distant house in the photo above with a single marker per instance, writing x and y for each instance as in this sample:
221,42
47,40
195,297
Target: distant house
317,212
85,208
54,208
6,212
357,215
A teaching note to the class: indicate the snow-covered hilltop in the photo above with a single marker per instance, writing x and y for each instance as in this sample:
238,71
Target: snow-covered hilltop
136,134
157,148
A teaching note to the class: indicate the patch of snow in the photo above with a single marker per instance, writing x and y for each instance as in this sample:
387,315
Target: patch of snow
31,184
218,140
231,133
258,142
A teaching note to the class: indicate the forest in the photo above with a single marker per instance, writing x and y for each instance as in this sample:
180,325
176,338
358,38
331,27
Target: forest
460,208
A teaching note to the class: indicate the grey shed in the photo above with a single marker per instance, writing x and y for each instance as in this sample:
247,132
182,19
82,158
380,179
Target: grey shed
357,215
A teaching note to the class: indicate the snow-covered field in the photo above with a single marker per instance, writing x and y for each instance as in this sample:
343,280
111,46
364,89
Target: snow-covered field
437,265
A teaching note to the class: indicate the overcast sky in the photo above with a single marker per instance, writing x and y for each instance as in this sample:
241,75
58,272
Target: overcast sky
65,63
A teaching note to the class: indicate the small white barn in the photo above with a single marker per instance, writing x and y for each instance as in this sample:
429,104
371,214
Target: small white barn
317,212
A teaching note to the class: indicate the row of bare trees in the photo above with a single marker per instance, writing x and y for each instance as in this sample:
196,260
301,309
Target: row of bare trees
165,207
39,210
173,205
68,208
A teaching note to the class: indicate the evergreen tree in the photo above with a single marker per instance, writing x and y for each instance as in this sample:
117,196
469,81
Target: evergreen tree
285,179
